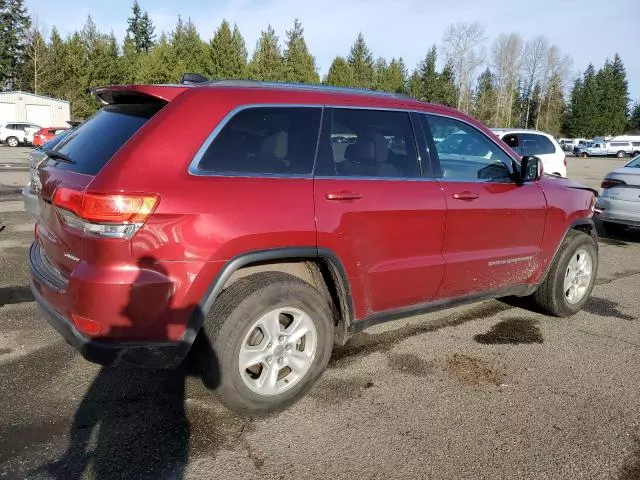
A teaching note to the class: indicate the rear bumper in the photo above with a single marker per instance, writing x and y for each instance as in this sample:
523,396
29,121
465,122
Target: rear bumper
617,211
165,355
31,201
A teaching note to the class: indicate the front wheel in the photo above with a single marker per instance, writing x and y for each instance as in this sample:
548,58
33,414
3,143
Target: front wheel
270,336
620,154
584,155
571,277
12,142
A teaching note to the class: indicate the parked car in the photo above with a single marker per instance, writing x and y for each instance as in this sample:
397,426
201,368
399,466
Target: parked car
604,149
36,157
580,146
242,237
540,144
45,134
15,133
618,207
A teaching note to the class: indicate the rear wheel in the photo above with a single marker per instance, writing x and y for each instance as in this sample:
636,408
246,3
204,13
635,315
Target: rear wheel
12,142
613,228
570,280
621,154
270,337
635,154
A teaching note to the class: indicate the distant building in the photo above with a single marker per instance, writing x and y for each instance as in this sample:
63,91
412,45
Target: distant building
16,106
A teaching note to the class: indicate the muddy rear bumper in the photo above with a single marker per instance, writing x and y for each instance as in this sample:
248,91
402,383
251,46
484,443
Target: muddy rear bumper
117,354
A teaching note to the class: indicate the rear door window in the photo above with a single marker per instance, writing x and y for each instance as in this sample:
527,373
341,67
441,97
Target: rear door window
367,143
265,141
93,143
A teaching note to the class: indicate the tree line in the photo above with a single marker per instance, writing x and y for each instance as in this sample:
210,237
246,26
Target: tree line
509,83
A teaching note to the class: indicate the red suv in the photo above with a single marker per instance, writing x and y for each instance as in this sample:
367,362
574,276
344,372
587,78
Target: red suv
256,225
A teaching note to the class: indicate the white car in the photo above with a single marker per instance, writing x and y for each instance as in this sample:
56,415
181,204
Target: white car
16,133
540,144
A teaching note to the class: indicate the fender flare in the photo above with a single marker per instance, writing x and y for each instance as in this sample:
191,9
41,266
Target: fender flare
580,222
336,269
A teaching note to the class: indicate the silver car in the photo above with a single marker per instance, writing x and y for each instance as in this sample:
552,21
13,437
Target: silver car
619,205
36,157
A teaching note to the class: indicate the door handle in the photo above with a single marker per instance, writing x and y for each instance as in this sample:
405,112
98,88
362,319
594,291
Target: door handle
344,195
465,196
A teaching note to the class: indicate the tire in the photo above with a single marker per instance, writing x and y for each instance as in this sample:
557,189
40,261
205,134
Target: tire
613,228
13,142
233,322
635,154
551,295
584,155
621,154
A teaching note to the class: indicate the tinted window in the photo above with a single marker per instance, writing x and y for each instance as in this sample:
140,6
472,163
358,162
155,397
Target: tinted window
636,144
464,152
532,144
265,140
367,143
93,143
619,144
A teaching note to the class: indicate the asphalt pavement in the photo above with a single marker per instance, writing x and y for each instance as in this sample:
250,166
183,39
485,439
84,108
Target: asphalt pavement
490,391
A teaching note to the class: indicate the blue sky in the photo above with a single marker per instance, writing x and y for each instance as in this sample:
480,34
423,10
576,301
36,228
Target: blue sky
588,30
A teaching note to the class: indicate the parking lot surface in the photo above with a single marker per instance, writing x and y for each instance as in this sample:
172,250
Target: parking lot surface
489,391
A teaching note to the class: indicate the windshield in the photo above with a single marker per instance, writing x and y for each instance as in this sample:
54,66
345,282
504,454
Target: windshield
634,163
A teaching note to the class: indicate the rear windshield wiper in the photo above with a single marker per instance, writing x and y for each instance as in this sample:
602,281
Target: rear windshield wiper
58,156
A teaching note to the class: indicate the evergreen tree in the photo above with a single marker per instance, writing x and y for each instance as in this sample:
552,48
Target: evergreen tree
158,66
55,80
634,118
140,29
614,90
299,64
14,29
77,75
266,62
428,86
189,50
134,30
380,68
448,91
340,73
361,61
485,97
228,53
147,35
393,78
129,62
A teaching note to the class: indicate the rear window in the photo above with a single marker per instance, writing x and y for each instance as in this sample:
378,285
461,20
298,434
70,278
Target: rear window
619,144
265,141
93,143
532,144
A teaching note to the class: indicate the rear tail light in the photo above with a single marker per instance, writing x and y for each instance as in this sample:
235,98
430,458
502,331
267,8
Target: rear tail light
105,215
611,182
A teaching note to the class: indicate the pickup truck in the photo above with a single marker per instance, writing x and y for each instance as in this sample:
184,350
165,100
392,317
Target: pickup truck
604,149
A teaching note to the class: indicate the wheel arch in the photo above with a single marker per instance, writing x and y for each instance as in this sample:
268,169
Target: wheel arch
319,267
586,225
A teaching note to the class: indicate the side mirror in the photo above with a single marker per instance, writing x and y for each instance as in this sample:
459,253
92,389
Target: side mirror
530,169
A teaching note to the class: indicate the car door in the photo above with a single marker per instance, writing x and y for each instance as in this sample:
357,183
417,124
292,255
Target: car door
375,211
494,227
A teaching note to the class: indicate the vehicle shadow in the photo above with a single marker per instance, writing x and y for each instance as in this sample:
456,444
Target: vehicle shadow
630,235
131,423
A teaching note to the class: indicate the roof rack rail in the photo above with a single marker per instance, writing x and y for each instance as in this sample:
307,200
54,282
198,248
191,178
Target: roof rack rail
193,78
306,86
